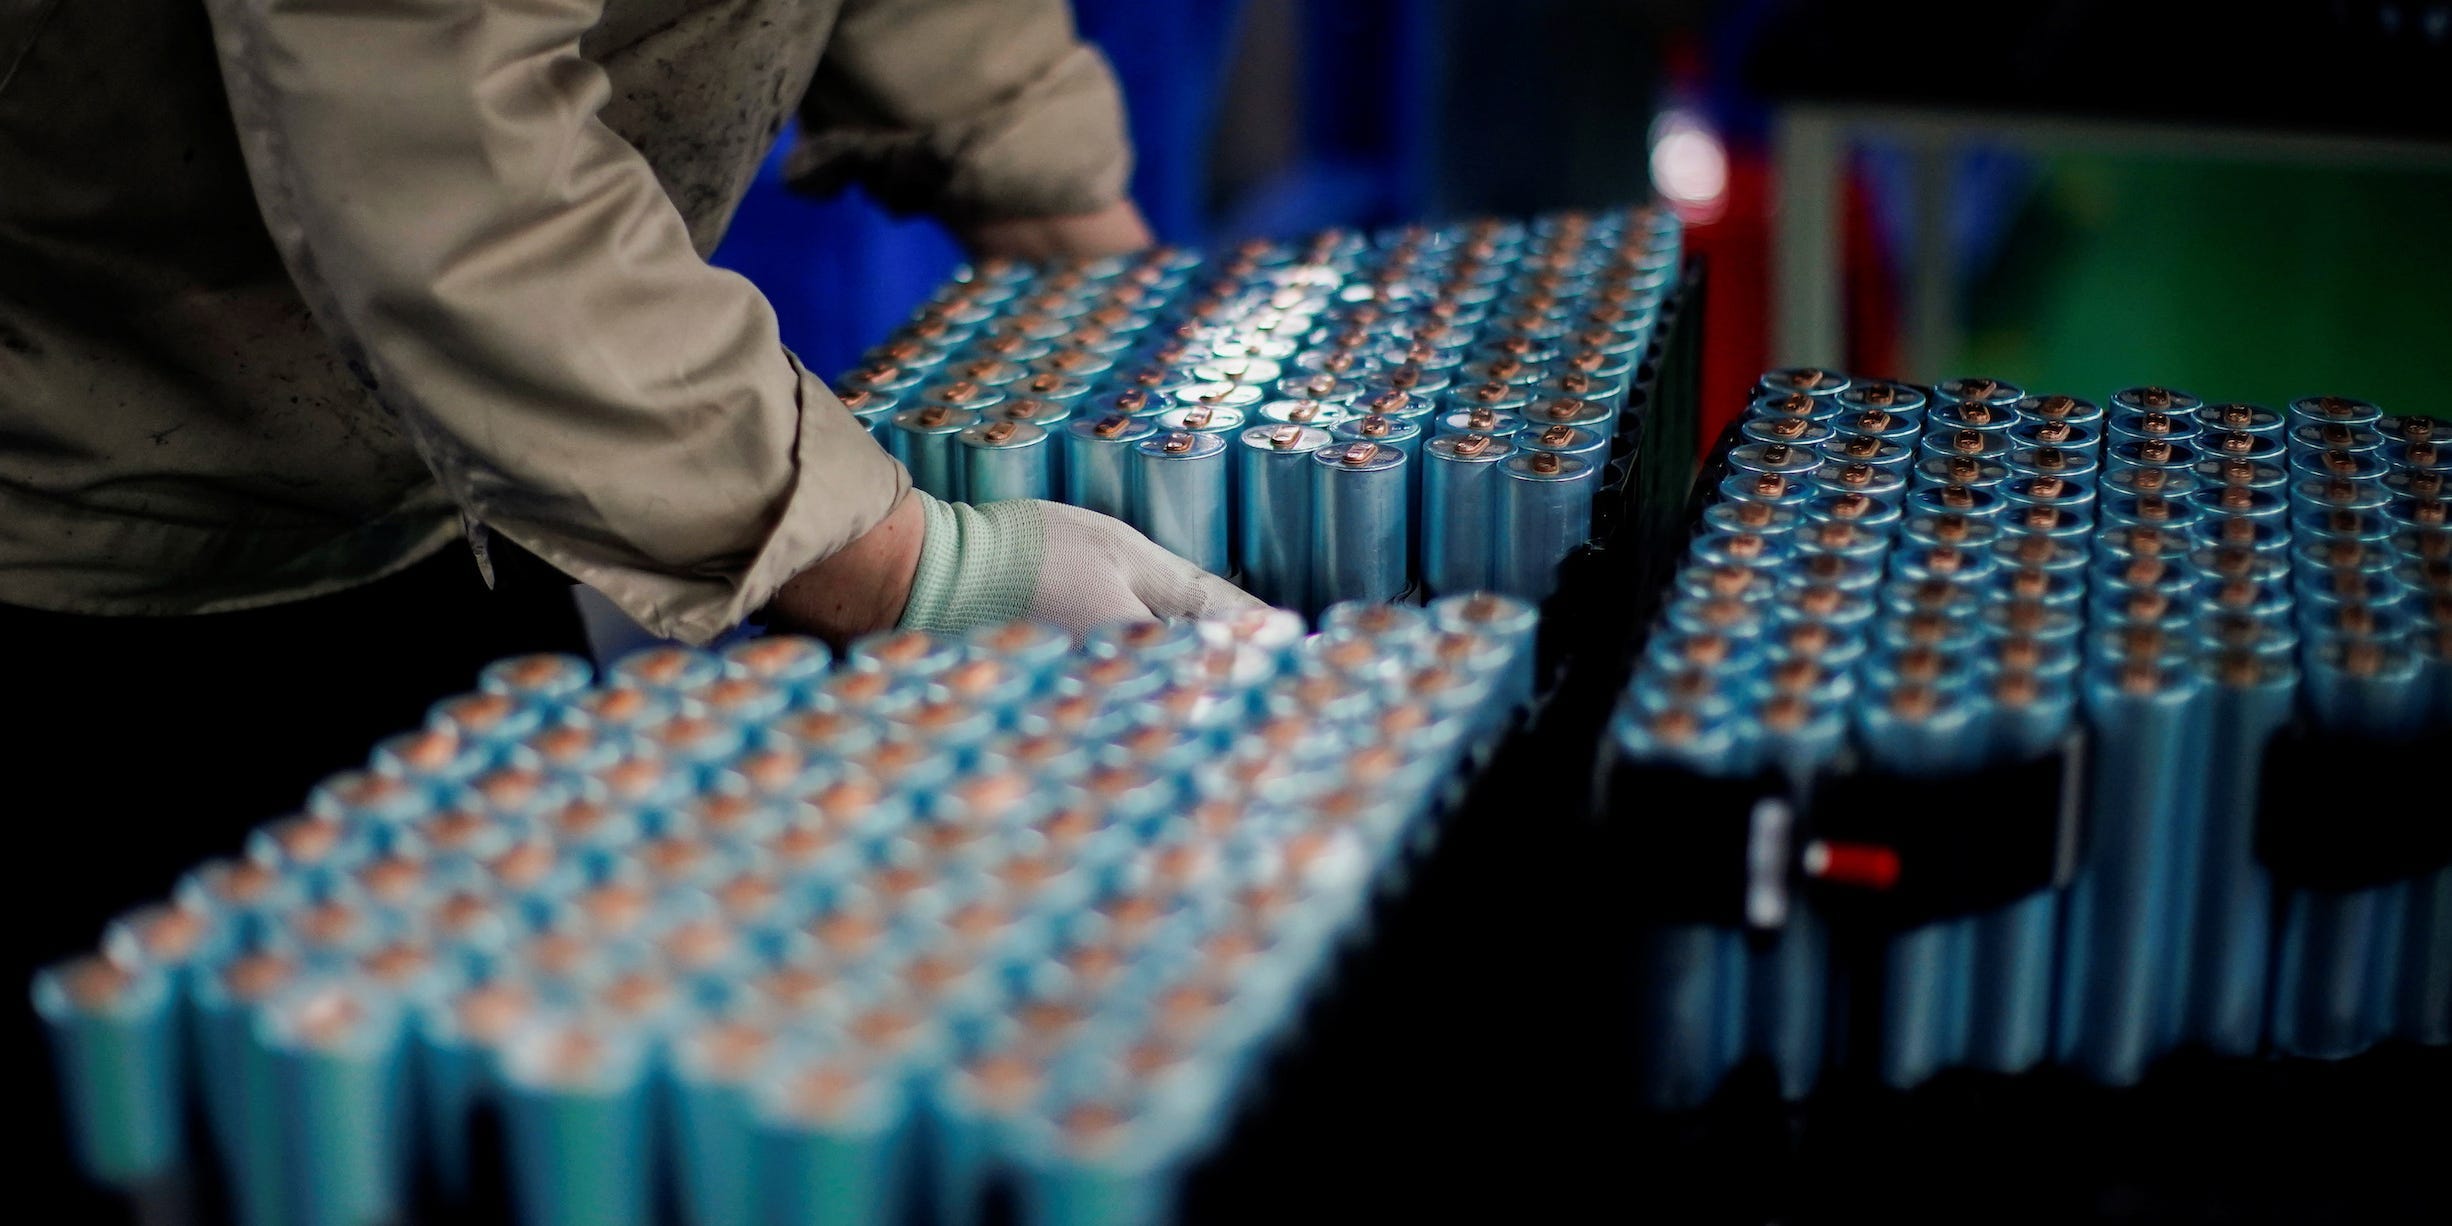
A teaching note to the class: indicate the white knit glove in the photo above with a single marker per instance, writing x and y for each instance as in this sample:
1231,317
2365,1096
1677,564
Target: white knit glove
1045,561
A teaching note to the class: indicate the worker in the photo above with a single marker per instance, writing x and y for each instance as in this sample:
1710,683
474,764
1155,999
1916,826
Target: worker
337,336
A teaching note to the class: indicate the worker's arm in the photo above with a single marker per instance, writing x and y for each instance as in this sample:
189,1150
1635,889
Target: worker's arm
512,280
991,115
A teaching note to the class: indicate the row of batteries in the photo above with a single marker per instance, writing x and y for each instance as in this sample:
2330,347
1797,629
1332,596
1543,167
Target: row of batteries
1333,420
770,938
1931,585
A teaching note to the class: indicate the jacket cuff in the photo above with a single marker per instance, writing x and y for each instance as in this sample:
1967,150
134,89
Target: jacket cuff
843,485
1055,147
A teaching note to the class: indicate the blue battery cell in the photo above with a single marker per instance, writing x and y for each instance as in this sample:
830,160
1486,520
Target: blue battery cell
1544,511
579,1117
1583,444
872,409
2219,954
2241,418
1770,525
1860,512
1793,406
1005,460
2149,720
1769,489
836,1142
1405,435
2055,407
1182,497
2056,433
1362,520
1911,729
2014,946
1099,470
116,1040
2363,468
1318,413
1952,415
1887,425
1772,460
1858,451
885,378
2429,456
241,1102
334,1054
2422,982
2124,427
1808,380
1898,399
1275,494
1692,978
1460,494
1969,443
1480,421
2333,436
923,438
2050,461
1970,472
1978,389
1793,431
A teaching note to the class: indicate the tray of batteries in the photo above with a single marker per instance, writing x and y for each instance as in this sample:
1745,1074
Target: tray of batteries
2010,727
1425,411
774,938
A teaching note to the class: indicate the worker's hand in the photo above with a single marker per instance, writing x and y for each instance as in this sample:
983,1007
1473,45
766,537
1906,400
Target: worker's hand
1113,230
1044,561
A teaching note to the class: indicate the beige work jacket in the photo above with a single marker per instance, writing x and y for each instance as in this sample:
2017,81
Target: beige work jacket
448,266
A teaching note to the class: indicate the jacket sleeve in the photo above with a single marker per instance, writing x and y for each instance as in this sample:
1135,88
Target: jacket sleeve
510,278
967,109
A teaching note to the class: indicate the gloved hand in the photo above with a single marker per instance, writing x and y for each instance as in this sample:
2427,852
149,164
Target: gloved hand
1001,561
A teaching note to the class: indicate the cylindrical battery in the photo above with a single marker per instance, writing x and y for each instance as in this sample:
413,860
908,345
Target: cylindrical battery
1098,468
1911,730
1978,389
1203,419
1970,415
1406,435
1405,406
1897,399
2241,418
1811,380
1360,524
1183,493
1544,512
1004,460
923,439
886,378
1305,412
2149,750
1575,411
576,1107
334,1058
1051,416
964,395
1460,511
2219,965
115,1042
1590,446
1274,490
873,409
1481,421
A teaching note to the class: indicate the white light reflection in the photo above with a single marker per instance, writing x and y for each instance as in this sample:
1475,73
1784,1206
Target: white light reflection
1689,166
